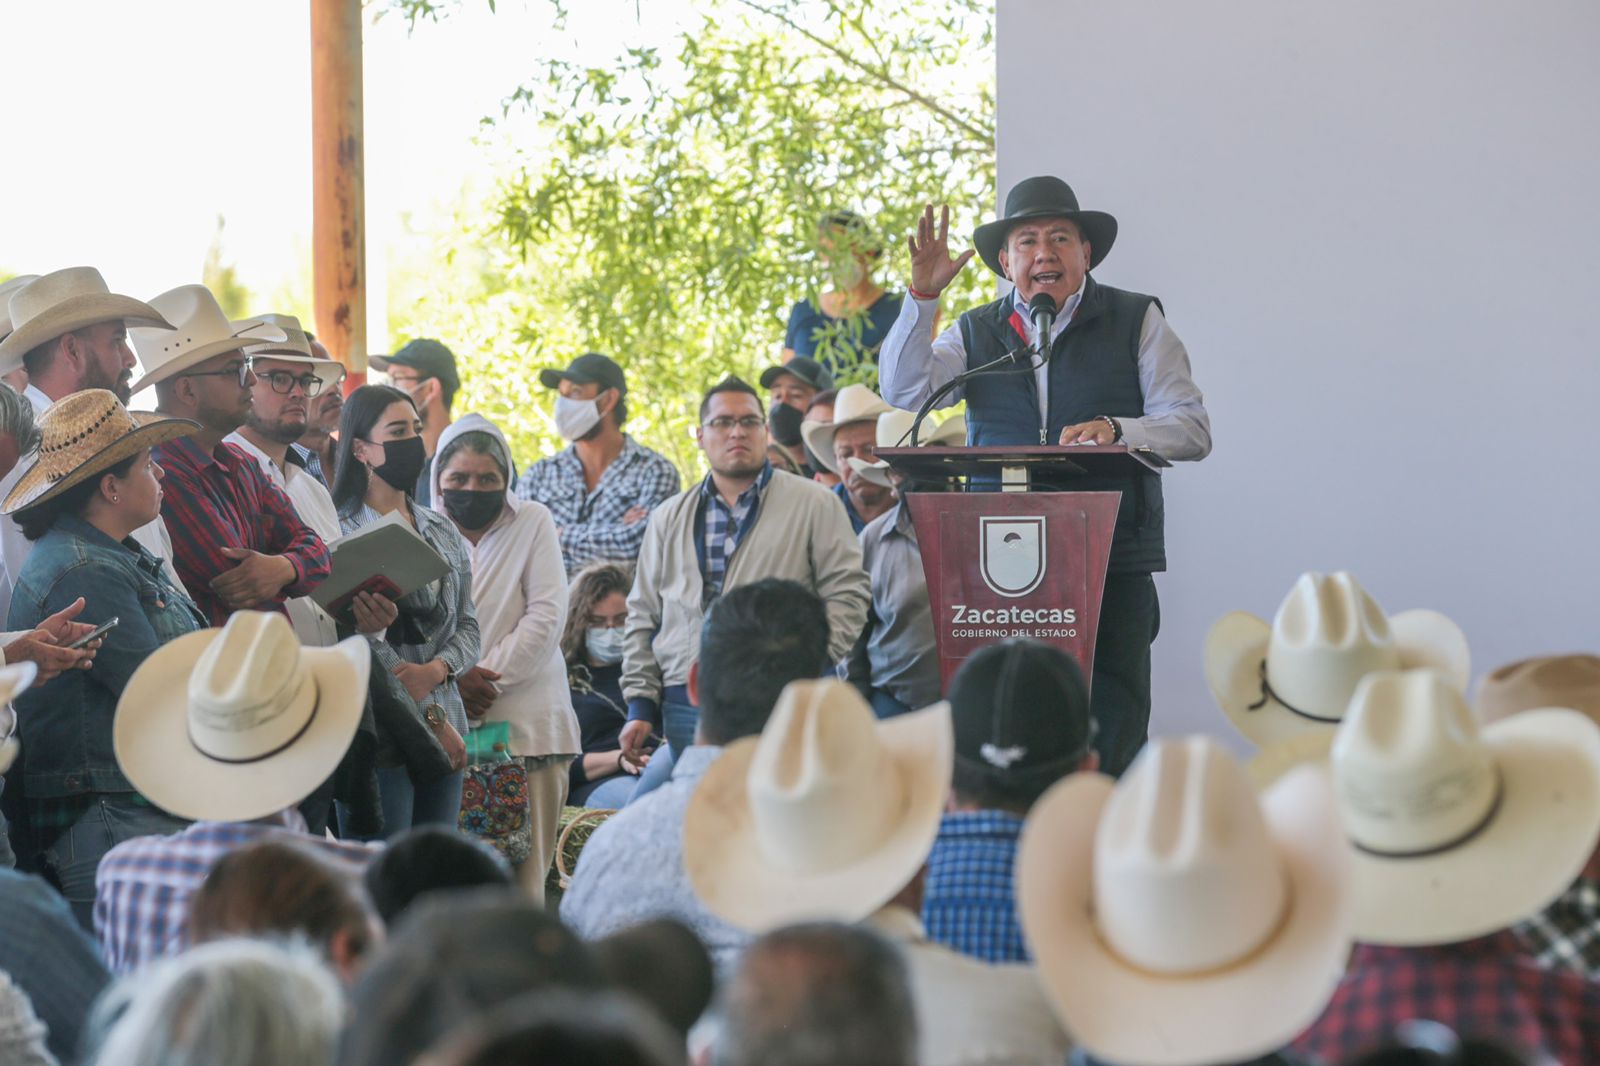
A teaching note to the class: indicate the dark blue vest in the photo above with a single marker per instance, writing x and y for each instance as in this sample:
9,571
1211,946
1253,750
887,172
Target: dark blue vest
1094,370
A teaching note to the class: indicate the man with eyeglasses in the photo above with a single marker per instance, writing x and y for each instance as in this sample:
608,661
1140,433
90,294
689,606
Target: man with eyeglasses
238,541
744,522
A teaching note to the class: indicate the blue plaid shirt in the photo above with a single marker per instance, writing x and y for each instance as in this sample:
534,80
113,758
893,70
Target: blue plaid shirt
723,527
969,903
591,524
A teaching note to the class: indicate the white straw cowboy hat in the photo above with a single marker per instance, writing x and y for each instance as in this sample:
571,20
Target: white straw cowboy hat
1459,833
14,681
1549,681
294,348
1297,674
855,403
238,723
893,427
828,814
85,434
6,289
1176,916
200,330
55,304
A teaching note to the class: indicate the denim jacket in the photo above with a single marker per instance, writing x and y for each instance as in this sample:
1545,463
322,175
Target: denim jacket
65,724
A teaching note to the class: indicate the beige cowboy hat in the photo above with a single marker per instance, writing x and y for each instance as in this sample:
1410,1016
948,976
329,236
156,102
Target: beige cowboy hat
1164,910
1460,832
14,681
294,348
200,331
855,403
1297,674
58,303
828,814
237,723
1549,681
82,435
6,289
893,427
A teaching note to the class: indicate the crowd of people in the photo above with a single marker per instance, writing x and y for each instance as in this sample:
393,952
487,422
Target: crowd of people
242,826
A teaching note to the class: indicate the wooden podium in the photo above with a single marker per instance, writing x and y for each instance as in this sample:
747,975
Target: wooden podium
1009,549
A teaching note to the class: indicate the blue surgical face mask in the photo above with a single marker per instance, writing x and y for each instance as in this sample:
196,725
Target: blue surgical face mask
604,644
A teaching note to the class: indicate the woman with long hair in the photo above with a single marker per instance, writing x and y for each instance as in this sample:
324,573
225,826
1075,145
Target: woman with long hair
434,640
597,612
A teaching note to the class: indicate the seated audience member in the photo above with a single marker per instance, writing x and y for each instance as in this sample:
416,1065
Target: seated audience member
1566,934
92,484
662,963
820,409
318,444
559,1027
755,640
425,370
742,523
597,613
845,326
1022,723
22,1034
50,959
1422,1043
194,735
790,389
1512,813
602,487
240,1002
436,638
519,593
829,814
853,433
428,859
818,994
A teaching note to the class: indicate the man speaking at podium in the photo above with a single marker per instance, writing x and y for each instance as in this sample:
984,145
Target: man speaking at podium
1115,374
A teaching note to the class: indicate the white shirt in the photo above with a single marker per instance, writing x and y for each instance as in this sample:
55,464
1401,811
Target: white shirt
912,364
314,505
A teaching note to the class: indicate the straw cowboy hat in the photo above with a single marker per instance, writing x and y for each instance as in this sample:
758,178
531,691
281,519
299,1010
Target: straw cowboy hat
14,681
1032,199
828,814
200,331
85,434
1551,681
1297,675
1163,911
1460,832
294,348
237,723
54,304
6,289
855,403
893,427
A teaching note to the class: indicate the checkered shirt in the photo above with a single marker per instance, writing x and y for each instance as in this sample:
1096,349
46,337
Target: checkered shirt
1485,987
1566,934
591,524
725,527
969,901
143,885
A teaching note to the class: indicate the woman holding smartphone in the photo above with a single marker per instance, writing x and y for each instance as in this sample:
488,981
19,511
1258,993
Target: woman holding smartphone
434,640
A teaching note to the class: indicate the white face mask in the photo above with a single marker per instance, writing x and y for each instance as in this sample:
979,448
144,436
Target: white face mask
574,418
604,644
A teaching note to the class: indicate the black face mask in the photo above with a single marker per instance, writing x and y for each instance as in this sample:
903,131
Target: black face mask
472,509
783,422
403,461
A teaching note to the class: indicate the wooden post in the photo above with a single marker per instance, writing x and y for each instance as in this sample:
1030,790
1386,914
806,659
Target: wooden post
338,182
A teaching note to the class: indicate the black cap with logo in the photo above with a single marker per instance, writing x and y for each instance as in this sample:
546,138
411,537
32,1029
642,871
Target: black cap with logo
805,369
1021,715
588,369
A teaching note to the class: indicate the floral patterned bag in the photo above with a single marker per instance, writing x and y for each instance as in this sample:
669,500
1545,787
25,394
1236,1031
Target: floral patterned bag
494,793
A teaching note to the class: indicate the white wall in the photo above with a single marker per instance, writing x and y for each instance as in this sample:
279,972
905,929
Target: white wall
1376,225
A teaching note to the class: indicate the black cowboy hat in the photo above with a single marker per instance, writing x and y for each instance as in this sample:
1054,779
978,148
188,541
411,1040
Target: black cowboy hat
1044,197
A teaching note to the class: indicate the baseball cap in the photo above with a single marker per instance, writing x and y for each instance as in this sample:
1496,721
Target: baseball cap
429,358
592,368
1021,714
806,369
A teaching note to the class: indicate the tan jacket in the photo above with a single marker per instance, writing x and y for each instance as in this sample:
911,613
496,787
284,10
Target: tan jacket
801,533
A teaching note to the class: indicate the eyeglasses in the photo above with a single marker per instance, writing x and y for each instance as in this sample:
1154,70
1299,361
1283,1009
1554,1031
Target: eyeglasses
725,424
283,381
241,372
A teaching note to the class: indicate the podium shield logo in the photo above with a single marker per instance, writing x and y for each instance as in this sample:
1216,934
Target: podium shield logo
1013,558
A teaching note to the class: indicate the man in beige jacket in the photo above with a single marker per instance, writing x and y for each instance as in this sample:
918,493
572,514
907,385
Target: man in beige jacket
744,522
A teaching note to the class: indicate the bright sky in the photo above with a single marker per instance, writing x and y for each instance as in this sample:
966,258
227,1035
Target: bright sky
131,126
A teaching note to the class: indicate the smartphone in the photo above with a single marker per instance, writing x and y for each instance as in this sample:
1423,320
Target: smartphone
94,634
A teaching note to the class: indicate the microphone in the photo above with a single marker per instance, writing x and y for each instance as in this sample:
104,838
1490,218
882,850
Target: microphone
1042,312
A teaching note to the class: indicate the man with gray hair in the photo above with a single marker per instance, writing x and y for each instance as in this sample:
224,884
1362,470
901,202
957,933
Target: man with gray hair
818,994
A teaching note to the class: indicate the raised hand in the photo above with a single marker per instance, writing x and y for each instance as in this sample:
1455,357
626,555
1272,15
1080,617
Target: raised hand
931,266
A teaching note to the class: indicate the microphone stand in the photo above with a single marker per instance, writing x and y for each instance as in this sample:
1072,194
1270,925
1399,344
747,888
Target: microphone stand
1006,364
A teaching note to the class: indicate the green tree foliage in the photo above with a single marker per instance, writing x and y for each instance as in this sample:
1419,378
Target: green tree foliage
662,205
223,279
